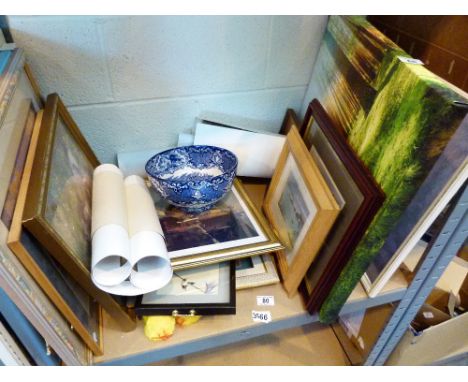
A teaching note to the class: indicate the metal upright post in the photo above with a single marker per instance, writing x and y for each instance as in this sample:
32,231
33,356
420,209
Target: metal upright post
436,259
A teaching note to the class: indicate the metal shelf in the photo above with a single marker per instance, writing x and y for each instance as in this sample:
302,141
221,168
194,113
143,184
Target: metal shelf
436,260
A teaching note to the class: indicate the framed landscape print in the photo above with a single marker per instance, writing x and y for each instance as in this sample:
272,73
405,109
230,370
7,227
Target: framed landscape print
232,229
206,290
362,197
301,208
71,300
400,119
57,210
256,271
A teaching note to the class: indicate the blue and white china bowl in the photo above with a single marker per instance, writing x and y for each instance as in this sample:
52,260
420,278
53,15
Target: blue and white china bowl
192,177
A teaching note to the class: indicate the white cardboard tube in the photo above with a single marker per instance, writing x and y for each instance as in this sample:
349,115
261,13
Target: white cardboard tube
129,255
108,205
153,267
142,215
110,261
123,289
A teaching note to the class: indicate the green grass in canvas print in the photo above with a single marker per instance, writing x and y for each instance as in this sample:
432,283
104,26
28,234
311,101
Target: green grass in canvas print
410,122
398,118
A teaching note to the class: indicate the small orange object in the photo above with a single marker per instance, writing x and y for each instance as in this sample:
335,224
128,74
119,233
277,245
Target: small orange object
187,320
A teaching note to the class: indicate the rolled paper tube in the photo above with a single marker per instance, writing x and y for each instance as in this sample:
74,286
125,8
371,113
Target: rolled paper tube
110,263
108,204
142,215
125,288
152,267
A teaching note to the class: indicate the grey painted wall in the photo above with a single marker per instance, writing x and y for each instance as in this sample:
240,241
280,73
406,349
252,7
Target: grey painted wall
137,82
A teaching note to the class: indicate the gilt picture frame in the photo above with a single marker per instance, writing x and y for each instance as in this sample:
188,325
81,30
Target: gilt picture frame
80,310
301,208
57,210
234,228
15,281
362,199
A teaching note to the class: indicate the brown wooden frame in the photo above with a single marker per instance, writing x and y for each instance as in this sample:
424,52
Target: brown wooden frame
325,216
15,243
373,199
290,119
36,201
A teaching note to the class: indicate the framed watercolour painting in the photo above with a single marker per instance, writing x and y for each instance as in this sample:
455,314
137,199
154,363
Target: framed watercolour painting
301,208
232,229
362,197
256,271
80,310
204,290
57,209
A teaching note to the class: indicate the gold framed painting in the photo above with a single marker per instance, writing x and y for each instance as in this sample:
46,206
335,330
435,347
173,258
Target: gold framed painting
234,228
80,310
301,208
57,210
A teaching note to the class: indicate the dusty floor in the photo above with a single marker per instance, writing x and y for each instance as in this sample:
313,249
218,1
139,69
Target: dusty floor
312,344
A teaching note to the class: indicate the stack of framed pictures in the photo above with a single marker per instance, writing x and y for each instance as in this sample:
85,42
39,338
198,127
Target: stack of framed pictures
355,191
302,206
210,253
54,208
19,119
406,124
362,198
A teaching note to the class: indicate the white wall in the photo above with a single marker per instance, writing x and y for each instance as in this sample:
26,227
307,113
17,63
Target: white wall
136,82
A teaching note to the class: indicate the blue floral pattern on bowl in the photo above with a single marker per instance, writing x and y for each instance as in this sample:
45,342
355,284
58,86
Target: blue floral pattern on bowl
193,177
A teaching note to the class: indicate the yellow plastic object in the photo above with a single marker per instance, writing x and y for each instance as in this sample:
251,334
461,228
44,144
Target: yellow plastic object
187,320
159,327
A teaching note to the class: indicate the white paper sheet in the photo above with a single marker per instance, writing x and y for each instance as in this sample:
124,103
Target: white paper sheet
129,255
257,153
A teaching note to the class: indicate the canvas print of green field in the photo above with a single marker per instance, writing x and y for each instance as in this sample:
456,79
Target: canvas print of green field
398,117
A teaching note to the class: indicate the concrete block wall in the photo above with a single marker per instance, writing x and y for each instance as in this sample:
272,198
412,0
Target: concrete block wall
136,82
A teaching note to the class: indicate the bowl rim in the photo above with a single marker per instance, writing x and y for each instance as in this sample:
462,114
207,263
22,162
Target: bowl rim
232,168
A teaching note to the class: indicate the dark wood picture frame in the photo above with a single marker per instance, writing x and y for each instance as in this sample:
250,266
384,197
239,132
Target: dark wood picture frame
290,119
142,309
35,221
372,194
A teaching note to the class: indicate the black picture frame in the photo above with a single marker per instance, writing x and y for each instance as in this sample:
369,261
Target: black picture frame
204,309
